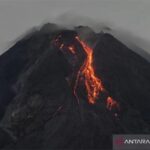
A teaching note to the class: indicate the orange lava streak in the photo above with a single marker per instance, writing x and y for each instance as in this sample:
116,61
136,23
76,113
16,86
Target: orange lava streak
92,83
72,50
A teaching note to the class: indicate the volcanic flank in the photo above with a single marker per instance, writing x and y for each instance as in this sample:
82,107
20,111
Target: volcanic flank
92,83
61,89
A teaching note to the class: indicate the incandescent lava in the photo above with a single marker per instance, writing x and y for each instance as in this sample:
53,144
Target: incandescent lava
93,84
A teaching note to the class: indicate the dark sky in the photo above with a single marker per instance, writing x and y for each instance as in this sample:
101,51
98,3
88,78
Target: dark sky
18,16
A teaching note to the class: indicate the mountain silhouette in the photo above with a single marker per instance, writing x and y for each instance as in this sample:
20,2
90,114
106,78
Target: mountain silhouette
38,107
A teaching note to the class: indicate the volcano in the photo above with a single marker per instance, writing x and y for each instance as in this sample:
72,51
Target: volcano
64,89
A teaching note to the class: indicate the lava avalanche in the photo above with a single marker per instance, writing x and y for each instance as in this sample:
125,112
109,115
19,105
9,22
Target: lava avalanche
92,83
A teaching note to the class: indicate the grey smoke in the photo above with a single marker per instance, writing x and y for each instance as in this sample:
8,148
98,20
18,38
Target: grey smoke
128,20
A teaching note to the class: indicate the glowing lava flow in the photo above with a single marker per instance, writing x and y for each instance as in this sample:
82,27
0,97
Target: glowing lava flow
93,84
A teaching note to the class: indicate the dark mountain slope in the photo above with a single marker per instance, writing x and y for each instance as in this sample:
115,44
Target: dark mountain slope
44,113
125,74
18,59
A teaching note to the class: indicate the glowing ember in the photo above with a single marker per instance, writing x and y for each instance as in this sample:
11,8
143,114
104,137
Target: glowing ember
72,49
111,103
61,46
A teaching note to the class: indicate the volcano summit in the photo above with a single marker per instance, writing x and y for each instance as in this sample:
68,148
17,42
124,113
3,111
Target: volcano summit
62,89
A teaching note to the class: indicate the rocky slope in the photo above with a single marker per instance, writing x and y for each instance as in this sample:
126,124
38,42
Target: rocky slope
38,108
